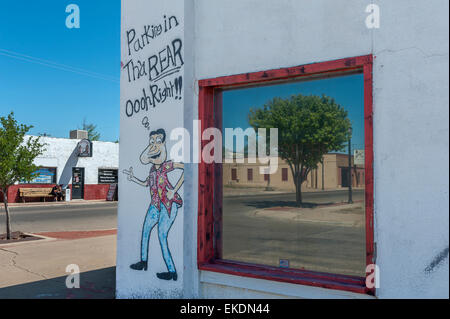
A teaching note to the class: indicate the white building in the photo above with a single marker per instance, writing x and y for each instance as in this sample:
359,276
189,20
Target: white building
61,163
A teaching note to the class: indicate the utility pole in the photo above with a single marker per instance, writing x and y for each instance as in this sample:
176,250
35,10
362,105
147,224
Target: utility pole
323,171
350,199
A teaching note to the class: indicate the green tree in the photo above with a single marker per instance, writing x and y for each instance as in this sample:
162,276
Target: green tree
308,128
16,158
93,135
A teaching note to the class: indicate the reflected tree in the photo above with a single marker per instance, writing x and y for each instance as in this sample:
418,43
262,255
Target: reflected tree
308,128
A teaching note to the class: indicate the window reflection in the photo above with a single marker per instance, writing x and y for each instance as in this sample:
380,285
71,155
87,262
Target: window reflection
263,220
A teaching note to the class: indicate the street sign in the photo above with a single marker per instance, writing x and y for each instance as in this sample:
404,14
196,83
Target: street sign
84,148
358,157
112,193
107,176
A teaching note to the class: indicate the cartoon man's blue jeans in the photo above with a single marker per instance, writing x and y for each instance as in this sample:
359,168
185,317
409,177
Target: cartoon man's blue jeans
164,221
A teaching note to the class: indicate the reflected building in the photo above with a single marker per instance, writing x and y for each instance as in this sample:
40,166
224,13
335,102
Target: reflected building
331,175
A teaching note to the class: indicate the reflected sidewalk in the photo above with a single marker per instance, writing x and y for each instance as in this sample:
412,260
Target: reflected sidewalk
351,215
236,190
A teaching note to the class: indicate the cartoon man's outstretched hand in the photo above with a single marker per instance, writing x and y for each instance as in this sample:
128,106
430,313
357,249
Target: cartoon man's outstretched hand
129,172
132,178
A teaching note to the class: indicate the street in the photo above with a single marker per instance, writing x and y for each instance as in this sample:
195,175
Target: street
320,246
65,217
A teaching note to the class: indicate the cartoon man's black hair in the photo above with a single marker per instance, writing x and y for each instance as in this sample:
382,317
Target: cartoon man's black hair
159,131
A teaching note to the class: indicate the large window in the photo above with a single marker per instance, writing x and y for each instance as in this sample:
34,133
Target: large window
45,175
234,174
250,174
310,220
284,174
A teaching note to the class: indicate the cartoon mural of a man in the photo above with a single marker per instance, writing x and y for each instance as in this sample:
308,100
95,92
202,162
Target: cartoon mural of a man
165,201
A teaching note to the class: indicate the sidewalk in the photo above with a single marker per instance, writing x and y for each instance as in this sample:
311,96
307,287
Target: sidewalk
38,269
235,190
343,214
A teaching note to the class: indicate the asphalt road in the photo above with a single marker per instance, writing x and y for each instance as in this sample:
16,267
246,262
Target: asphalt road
62,217
313,246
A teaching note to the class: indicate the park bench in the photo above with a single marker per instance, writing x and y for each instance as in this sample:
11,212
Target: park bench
35,192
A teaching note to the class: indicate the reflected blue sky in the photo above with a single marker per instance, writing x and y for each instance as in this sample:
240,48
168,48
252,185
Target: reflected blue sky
348,91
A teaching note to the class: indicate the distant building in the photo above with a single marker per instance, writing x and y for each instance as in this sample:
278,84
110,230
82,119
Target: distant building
87,168
334,172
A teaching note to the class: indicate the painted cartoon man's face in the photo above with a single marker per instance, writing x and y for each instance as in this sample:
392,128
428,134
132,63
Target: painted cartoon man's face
156,152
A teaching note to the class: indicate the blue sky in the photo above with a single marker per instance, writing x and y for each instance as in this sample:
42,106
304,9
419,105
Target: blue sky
55,101
348,91
52,100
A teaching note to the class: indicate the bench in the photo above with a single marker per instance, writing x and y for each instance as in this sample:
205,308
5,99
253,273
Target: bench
35,192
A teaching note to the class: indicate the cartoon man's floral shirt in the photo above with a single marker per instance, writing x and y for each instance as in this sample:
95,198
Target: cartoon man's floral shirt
159,183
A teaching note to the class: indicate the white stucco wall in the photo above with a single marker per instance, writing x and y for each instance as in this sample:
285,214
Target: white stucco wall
135,201
60,153
410,126
410,112
411,147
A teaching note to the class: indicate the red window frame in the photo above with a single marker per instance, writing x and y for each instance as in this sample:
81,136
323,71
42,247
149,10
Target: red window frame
209,243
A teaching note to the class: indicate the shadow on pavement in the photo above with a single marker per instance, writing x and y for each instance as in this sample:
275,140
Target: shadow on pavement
95,284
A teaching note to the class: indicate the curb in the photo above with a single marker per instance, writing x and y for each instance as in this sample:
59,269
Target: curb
63,235
43,239
58,204
78,234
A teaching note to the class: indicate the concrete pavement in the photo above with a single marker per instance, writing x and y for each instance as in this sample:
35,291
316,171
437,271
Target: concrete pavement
38,269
